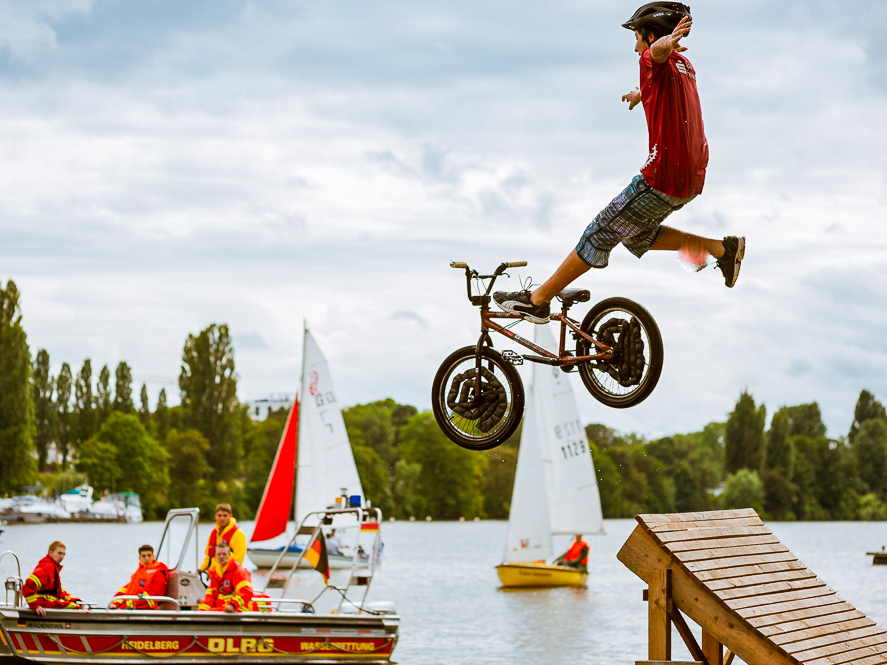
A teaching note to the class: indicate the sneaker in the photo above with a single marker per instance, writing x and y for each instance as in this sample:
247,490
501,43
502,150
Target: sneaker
518,302
734,250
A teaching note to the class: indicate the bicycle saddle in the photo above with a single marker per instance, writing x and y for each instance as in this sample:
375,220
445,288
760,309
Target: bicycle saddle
572,296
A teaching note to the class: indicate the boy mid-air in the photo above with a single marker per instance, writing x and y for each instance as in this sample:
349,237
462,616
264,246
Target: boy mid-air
671,177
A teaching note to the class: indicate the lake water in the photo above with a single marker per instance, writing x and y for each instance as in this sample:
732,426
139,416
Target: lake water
441,577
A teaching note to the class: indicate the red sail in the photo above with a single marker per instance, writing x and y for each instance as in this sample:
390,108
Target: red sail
277,501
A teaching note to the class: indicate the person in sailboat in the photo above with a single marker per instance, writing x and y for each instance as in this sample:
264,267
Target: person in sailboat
225,531
150,579
576,556
230,584
333,543
43,588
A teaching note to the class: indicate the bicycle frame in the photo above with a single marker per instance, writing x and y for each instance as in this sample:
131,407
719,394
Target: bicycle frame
488,323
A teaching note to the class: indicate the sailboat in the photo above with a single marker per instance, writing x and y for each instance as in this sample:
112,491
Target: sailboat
315,454
555,488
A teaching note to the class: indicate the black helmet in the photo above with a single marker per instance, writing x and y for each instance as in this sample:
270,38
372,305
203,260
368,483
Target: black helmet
659,17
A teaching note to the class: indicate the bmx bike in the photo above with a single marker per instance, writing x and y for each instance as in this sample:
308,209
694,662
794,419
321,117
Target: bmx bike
477,394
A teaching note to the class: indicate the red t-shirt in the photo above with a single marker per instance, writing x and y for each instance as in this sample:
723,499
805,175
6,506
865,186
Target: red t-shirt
678,149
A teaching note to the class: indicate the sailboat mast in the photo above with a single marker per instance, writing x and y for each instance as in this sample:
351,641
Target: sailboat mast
299,425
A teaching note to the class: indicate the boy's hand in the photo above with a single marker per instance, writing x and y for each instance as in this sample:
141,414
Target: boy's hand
633,98
681,30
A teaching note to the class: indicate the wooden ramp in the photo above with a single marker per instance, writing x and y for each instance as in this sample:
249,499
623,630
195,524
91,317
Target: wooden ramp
750,595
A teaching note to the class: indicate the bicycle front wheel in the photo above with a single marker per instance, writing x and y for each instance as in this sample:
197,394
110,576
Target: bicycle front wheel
477,414
632,373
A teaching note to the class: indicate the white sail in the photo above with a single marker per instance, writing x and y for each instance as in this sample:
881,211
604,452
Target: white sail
529,534
573,500
325,462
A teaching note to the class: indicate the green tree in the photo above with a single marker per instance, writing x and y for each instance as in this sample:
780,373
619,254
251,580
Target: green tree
498,479
123,389
780,453
188,468
103,396
161,416
262,443
744,435
84,405
144,409
141,460
743,489
870,449
98,460
44,408
449,476
867,408
64,416
209,398
16,396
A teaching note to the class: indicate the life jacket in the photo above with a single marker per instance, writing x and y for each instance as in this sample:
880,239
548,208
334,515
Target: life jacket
232,535
575,552
43,588
231,586
150,580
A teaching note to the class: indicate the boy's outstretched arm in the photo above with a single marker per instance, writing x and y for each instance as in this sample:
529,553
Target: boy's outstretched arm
662,47
633,98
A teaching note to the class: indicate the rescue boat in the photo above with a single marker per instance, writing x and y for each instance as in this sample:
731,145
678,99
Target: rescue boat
293,632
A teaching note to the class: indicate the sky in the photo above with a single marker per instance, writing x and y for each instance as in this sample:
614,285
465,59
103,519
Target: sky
165,166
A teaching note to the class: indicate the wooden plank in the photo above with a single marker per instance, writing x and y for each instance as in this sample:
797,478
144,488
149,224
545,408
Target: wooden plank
853,636
789,627
763,581
822,630
783,597
876,644
712,649
735,523
867,657
740,560
712,532
659,628
712,574
726,594
802,604
703,553
660,518
726,543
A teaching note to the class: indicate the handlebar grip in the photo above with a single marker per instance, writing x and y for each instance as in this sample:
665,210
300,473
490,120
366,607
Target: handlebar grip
516,264
458,264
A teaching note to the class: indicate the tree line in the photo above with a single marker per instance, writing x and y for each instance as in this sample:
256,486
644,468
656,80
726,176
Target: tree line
207,449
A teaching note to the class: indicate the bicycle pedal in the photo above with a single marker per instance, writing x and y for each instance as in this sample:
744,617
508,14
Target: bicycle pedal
512,357
566,369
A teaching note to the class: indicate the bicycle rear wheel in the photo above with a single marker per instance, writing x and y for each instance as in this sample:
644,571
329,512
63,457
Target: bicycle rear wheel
631,375
471,418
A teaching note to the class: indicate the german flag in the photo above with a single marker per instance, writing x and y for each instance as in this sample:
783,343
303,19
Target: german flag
316,556
369,526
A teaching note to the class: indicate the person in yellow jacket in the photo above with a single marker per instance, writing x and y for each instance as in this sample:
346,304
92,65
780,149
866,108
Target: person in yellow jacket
227,531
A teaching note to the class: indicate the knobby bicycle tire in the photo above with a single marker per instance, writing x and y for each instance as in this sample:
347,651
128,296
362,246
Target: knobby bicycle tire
632,374
477,421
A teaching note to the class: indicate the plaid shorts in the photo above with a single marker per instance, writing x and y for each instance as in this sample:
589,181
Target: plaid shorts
633,218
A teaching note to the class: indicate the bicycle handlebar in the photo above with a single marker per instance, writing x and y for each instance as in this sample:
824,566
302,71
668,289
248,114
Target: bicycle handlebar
484,299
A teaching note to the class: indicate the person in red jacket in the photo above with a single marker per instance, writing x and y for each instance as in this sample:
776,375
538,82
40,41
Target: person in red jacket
671,177
230,586
43,588
576,556
150,579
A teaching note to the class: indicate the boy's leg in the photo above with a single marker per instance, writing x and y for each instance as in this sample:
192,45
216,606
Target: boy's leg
569,270
674,240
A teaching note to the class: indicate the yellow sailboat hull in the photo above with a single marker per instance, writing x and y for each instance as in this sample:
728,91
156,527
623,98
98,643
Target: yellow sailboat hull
539,574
